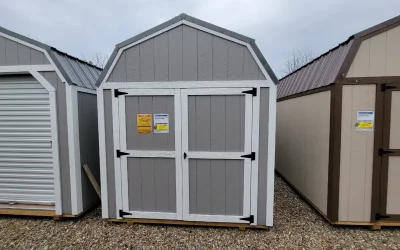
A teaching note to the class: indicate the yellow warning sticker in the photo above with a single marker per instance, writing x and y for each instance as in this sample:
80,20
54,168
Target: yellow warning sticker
365,125
144,123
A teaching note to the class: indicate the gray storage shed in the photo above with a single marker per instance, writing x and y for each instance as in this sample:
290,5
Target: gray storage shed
48,129
338,140
187,128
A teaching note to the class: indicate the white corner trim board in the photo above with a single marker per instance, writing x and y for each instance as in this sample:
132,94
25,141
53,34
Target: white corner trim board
42,80
193,25
102,152
25,68
271,156
188,84
254,134
74,149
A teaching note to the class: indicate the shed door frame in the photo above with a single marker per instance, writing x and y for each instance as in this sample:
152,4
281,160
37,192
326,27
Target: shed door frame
392,152
34,71
176,154
218,155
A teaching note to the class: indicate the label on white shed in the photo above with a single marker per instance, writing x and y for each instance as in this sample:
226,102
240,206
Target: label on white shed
161,124
365,121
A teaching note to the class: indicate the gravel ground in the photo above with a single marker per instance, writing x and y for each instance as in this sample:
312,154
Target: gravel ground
297,226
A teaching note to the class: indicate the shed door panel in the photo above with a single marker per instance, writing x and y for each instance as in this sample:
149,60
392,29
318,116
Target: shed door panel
216,133
150,170
393,182
26,163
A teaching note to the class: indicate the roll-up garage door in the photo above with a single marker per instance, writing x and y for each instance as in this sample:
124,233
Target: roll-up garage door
26,163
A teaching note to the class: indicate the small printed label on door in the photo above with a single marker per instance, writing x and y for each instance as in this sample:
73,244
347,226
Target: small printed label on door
161,123
365,121
143,123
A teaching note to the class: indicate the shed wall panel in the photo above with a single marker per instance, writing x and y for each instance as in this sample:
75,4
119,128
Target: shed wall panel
378,56
302,149
13,53
393,201
89,145
185,53
356,160
263,157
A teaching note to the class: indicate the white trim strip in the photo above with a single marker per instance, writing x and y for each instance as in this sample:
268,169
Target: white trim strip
147,154
255,133
216,155
74,150
136,92
187,84
152,215
218,91
247,148
26,68
216,218
117,162
42,80
102,152
271,156
124,180
185,148
178,153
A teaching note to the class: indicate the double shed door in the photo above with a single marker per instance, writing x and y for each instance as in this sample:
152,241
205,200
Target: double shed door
390,171
200,169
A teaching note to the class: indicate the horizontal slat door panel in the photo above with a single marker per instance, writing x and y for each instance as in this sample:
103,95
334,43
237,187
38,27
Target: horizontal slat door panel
26,161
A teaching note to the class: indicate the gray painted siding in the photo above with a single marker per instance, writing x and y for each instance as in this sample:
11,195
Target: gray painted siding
151,184
216,123
112,211
13,53
216,187
263,157
149,105
53,79
89,145
185,54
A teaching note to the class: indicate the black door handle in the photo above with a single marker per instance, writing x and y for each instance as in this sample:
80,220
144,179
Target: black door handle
184,155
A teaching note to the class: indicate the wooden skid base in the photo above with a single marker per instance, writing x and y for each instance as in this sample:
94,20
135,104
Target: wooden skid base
187,223
42,213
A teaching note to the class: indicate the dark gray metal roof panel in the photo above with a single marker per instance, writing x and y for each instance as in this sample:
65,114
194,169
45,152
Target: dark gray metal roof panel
320,72
195,21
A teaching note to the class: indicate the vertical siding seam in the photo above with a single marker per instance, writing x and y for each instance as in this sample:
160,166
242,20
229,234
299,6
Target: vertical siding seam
154,185
197,53
386,53
243,49
18,54
212,57
182,53
351,158
140,72
168,54
154,66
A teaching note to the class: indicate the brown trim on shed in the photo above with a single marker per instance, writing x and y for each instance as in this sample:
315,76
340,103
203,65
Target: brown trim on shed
310,92
378,140
379,28
334,152
371,80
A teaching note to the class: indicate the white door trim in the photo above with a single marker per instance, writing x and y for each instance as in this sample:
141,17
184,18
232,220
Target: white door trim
54,136
117,161
255,135
187,84
123,169
217,155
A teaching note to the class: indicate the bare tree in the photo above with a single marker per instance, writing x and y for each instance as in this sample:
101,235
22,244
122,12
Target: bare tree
99,59
296,60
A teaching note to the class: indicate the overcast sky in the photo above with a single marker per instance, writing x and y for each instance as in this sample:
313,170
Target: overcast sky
84,27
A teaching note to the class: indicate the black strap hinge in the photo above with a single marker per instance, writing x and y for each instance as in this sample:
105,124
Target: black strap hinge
249,219
379,216
384,152
119,153
252,156
385,87
118,93
122,213
253,92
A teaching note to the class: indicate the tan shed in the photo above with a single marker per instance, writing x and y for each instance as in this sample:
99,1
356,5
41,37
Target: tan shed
338,129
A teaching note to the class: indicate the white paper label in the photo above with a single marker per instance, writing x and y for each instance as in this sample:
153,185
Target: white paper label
161,123
365,121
